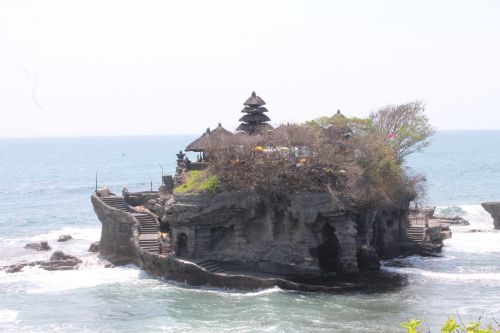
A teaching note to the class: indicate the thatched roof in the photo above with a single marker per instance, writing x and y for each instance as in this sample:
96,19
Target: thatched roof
255,118
254,128
203,142
254,100
251,109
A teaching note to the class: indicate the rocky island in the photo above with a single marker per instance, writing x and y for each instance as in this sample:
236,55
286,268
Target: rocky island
307,207
494,209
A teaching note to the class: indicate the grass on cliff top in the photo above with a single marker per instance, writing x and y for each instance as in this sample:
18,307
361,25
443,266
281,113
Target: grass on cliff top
199,182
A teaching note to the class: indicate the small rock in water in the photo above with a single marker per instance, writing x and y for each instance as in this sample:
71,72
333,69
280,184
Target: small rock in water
59,261
60,255
94,247
42,246
64,238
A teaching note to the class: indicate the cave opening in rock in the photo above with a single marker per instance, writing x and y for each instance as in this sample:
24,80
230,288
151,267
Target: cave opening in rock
328,252
220,237
182,245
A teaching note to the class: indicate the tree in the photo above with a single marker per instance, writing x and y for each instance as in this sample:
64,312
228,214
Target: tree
405,127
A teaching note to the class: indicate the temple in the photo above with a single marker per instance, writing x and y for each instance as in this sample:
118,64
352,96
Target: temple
255,121
266,218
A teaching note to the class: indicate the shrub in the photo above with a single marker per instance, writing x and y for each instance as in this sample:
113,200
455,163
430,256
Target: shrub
199,182
451,326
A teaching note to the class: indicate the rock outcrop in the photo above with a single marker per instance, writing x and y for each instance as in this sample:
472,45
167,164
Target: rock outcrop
94,247
59,261
298,233
64,238
493,208
42,246
301,241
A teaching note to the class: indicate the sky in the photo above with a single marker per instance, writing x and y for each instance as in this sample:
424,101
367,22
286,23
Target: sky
97,67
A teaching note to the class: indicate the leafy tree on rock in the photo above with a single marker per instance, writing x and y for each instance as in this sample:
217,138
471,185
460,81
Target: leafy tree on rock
405,127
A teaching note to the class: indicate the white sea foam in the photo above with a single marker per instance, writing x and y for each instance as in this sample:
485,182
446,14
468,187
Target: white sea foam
475,214
467,277
34,280
88,234
264,292
463,240
8,316
474,242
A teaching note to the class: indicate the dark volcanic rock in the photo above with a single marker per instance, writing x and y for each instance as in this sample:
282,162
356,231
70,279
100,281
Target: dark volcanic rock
368,259
494,209
60,255
94,247
59,261
64,238
42,246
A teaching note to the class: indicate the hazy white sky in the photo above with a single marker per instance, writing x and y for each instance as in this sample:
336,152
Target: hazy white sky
99,67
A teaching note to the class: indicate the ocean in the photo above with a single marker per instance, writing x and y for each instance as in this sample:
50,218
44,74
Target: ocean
45,187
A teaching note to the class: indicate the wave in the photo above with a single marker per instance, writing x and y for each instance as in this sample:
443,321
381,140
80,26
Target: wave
34,280
88,234
475,214
468,277
8,316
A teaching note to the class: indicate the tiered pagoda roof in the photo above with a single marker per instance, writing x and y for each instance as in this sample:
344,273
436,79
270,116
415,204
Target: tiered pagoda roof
255,121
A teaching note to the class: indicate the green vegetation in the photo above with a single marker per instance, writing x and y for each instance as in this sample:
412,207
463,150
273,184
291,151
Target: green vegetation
337,120
451,326
199,182
355,160
405,127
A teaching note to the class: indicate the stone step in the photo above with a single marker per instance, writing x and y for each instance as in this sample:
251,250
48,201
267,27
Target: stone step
211,266
415,239
148,241
148,245
148,227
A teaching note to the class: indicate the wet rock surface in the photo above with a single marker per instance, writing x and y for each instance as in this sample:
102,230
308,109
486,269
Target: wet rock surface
94,247
42,246
58,261
493,208
64,238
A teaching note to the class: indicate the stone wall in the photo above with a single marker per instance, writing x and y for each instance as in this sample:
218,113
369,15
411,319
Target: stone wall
117,229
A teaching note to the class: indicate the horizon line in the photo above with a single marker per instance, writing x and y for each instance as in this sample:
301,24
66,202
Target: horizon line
182,134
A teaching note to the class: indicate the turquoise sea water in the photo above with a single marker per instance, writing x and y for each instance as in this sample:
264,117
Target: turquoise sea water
45,187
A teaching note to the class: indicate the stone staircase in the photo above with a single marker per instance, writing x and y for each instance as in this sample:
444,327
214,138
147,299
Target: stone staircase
211,266
148,233
415,234
118,203
148,227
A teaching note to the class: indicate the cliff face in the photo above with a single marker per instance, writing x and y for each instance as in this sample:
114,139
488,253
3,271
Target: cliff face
298,233
494,209
117,230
